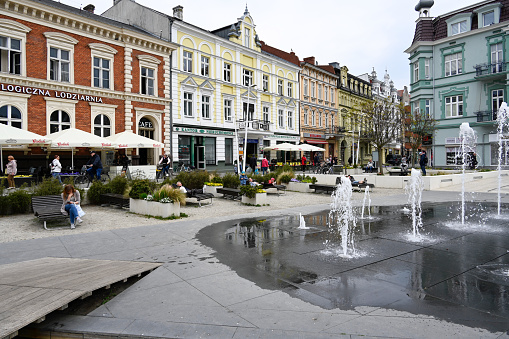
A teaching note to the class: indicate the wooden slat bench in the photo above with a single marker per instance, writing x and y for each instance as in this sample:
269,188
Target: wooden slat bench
199,195
47,207
277,187
115,199
323,188
231,193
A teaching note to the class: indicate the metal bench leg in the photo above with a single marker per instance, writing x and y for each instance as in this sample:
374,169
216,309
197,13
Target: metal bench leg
45,225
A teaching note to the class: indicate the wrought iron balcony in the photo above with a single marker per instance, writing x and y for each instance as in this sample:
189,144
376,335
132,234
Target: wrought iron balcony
336,130
497,68
483,116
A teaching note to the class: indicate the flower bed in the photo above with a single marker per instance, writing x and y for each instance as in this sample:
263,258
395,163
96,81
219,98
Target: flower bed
154,208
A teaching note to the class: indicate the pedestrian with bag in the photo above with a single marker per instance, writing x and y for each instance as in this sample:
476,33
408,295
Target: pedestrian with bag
71,205
11,170
56,168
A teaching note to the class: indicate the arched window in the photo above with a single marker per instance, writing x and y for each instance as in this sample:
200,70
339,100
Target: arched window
11,116
102,126
59,120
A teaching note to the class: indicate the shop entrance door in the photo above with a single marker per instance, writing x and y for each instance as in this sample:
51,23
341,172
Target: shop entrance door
200,157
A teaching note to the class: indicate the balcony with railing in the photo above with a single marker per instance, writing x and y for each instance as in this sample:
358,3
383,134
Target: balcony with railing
335,131
493,70
486,116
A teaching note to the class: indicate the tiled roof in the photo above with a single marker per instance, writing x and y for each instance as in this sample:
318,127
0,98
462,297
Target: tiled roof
290,57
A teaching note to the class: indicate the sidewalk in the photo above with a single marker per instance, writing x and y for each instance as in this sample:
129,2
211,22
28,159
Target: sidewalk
193,295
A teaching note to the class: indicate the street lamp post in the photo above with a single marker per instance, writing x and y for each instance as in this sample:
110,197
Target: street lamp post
246,122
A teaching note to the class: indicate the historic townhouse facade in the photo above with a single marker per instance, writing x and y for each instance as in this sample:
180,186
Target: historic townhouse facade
459,74
318,106
219,79
63,67
353,92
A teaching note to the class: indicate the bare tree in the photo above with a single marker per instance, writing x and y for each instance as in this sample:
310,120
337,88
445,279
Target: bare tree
418,126
383,120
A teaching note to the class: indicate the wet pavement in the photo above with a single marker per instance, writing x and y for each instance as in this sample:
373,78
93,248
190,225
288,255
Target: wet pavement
263,278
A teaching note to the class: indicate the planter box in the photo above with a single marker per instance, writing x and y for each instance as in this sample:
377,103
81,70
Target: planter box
259,199
299,187
213,190
154,208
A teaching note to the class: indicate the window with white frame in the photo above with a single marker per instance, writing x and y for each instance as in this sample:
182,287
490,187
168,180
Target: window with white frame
290,119
320,91
205,66
326,120
227,72
187,62
188,104
426,68
227,110
453,64
454,106
10,116
101,72
488,18
102,126
248,77
332,120
320,122
59,120
497,97
60,64
306,87
266,114
332,94
305,116
326,93
497,58
279,86
250,111
205,107
290,89
459,27
265,83
416,70
427,108
281,118
313,118
147,81
247,37
10,55
313,86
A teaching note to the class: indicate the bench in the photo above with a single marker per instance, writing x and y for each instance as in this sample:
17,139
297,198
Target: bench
199,195
277,187
397,172
363,186
231,193
324,188
114,199
47,207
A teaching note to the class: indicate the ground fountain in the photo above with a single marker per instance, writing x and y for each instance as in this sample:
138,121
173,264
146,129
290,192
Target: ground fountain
367,198
302,223
468,144
341,216
502,129
414,191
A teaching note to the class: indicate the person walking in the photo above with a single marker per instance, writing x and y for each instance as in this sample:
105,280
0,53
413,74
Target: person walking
253,163
265,165
95,166
423,161
56,168
11,170
70,199
303,163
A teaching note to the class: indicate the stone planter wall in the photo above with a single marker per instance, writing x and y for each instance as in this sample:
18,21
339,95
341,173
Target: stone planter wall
299,187
213,190
259,199
154,208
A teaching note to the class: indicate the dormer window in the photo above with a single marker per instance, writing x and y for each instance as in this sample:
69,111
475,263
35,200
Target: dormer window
488,15
459,27
488,18
247,37
459,23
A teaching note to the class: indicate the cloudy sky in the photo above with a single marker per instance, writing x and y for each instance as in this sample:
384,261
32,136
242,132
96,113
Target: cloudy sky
358,34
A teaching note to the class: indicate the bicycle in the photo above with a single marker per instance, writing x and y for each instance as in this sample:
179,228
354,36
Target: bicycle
85,180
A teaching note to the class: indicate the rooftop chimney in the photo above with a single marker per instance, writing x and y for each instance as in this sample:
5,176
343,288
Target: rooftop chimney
89,8
334,64
178,12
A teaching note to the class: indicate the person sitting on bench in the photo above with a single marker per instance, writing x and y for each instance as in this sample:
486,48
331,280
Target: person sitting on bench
356,182
181,188
243,178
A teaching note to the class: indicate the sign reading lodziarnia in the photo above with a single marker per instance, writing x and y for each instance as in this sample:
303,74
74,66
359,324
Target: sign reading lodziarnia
202,131
49,93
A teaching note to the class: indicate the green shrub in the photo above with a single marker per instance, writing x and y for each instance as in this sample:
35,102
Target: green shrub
250,191
194,179
118,184
173,194
5,206
231,180
20,201
95,190
139,186
48,186
306,179
217,180
285,177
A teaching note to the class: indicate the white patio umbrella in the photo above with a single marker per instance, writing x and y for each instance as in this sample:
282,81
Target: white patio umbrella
311,148
285,146
128,139
73,137
16,137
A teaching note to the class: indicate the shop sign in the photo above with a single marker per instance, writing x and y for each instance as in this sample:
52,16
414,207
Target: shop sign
281,137
453,141
145,124
249,141
312,135
202,131
47,93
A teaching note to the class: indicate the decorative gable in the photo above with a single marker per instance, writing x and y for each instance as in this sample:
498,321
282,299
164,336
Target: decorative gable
206,86
189,82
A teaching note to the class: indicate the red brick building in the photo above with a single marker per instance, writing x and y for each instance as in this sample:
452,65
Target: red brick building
63,67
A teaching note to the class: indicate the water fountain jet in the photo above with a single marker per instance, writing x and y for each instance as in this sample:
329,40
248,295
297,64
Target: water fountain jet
341,214
414,190
468,143
503,127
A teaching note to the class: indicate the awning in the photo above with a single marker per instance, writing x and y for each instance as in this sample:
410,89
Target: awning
316,141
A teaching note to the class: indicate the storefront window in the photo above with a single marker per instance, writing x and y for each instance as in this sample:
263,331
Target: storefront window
453,156
184,149
228,151
210,150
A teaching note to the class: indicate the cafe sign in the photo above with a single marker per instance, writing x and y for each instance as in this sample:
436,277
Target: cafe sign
48,93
